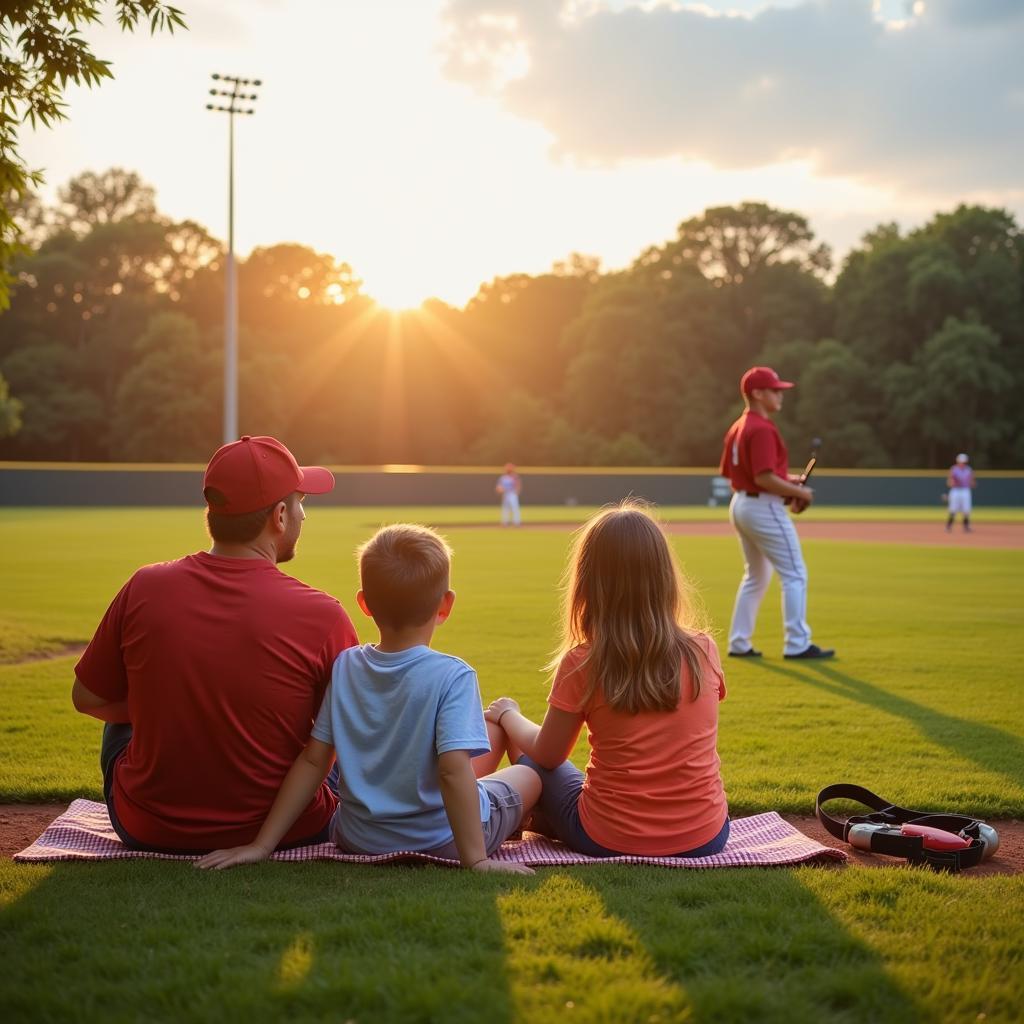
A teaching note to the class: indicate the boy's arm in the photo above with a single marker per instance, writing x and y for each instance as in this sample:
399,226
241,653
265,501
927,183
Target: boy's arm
462,804
298,789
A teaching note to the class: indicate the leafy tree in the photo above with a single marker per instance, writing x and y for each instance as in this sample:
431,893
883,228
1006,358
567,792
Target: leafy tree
42,51
626,450
60,414
90,199
520,435
10,411
961,382
936,287
766,265
166,405
578,265
987,247
837,400
517,323
872,307
295,274
731,243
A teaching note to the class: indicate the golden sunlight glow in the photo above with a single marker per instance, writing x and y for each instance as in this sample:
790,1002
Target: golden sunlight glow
397,296
295,962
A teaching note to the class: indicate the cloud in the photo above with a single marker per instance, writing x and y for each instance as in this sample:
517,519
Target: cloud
932,103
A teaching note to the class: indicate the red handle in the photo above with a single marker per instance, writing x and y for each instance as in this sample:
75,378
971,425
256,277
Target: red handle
935,838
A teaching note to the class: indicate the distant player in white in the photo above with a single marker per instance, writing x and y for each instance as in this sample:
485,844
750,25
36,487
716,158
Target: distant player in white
960,483
509,487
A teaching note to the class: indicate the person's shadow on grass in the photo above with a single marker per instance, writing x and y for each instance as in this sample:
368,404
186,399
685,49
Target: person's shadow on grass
338,942
988,746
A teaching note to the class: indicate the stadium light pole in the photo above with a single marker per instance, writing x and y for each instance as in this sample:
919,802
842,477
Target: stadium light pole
230,103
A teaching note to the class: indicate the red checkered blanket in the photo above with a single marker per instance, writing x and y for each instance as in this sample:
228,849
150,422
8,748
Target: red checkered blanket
83,832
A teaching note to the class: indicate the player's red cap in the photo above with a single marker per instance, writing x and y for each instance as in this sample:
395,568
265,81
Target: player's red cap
254,473
762,377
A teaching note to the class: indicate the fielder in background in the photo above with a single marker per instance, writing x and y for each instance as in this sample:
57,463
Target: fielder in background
960,483
509,486
756,463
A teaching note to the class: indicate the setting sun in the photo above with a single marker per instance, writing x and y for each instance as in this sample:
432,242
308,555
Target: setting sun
397,296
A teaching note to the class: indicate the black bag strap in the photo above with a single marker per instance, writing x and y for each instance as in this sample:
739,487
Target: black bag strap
888,839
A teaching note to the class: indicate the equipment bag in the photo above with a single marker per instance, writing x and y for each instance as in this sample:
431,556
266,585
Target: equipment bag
945,842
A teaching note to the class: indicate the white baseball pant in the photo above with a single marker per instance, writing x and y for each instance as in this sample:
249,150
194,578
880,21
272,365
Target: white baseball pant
960,501
510,508
769,541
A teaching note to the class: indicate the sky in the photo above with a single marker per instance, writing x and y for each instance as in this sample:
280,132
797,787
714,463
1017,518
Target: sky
436,144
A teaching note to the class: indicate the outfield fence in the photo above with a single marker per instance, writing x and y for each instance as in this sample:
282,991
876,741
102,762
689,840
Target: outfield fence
135,484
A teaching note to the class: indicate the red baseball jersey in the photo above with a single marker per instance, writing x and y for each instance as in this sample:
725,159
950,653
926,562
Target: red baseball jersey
753,445
223,662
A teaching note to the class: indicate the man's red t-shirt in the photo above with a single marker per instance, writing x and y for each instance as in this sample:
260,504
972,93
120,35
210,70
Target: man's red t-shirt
224,662
753,445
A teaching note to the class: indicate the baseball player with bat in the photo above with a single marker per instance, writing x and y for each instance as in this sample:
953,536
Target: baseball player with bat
756,463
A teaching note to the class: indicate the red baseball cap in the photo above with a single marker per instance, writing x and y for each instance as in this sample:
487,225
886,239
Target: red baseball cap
762,377
254,473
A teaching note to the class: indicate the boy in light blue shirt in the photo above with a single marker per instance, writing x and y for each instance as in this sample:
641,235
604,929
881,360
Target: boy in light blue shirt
415,758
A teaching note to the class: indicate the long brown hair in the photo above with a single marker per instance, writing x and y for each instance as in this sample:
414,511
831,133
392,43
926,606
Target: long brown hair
627,600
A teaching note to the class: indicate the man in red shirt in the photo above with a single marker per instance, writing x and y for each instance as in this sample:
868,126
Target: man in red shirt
755,460
209,670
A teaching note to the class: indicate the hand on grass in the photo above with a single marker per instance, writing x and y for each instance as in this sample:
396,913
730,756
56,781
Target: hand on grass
220,859
497,707
502,867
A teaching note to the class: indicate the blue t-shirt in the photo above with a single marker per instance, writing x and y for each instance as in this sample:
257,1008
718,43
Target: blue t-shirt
389,717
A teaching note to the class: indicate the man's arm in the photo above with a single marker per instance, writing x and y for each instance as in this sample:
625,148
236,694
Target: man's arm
88,703
774,484
298,789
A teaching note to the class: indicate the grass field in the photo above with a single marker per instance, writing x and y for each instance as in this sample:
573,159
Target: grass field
923,705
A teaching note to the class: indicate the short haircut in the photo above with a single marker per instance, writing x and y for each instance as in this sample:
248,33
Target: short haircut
238,529
404,571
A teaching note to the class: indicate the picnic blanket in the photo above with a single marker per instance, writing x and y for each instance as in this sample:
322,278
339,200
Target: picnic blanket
83,832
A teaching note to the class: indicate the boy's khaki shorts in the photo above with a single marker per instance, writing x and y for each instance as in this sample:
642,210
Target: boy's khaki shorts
506,816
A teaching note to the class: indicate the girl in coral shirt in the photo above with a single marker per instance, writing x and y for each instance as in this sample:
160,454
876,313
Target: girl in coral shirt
635,669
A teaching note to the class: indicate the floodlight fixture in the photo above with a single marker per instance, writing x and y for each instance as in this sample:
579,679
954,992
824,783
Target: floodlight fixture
233,96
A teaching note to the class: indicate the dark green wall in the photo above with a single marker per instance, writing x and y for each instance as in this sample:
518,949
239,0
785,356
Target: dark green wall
39,485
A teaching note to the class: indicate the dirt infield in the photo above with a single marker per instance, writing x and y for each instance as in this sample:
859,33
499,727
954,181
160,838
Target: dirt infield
20,824
992,535
926,534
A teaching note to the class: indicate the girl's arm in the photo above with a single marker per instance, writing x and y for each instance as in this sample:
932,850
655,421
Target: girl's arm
548,744
298,789
462,805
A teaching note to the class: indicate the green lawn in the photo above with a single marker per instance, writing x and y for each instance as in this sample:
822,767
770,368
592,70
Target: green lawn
923,705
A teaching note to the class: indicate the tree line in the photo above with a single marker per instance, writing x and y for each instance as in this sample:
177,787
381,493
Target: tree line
909,352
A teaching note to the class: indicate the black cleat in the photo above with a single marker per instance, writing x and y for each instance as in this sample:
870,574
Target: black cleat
814,651
749,653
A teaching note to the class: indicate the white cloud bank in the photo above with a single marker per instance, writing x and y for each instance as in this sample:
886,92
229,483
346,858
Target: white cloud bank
932,104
